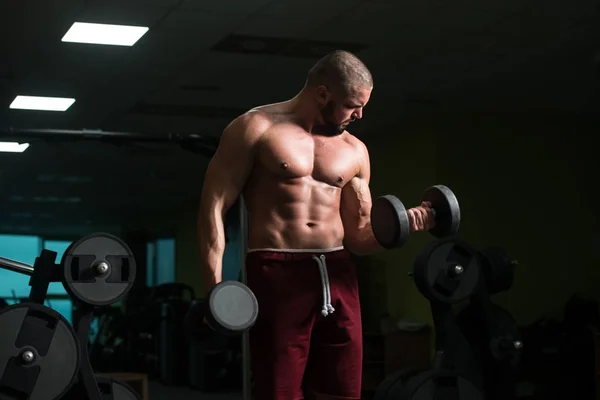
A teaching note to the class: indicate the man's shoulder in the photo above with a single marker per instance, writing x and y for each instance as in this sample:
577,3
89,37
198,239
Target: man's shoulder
356,143
252,124
254,118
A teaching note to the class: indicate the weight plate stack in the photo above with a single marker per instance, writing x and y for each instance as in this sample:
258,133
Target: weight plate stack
98,269
39,353
447,271
111,389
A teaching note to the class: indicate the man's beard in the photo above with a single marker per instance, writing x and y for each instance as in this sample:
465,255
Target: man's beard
329,128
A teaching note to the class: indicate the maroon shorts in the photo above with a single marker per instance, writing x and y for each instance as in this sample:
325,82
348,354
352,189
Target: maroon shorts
292,343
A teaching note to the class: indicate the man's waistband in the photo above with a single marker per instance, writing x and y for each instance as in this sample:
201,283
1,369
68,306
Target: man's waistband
311,251
332,253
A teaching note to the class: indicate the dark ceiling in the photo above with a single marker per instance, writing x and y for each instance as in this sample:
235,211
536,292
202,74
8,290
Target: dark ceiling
204,61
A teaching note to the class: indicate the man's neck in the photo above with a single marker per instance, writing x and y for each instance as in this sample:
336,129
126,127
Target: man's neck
305,111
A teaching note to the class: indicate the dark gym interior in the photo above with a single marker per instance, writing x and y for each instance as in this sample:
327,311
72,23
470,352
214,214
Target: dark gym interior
497,100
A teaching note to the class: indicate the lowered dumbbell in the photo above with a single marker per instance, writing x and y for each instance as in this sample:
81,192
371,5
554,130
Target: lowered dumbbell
391,225
229,309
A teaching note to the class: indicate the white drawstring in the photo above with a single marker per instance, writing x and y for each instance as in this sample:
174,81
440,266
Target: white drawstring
327,307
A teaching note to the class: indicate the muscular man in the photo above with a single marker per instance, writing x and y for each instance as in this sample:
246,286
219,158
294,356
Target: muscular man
305,182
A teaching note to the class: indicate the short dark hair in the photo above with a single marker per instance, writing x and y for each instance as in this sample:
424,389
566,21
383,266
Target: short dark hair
340,70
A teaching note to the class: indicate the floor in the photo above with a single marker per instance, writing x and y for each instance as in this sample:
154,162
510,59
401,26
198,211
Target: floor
160,392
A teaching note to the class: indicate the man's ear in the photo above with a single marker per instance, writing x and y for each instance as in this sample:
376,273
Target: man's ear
323,94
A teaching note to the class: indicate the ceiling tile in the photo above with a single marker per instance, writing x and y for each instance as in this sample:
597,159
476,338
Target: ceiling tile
262,25
162,54
310,9
205,22
235,6
122,12
162,3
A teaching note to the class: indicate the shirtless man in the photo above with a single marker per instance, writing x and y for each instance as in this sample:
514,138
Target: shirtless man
305,182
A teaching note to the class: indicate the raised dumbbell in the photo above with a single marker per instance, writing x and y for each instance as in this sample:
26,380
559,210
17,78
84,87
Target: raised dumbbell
390,223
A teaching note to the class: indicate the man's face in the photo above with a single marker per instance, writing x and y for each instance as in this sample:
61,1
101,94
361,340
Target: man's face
337,112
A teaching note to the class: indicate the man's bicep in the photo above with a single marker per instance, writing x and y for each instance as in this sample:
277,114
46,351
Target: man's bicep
356,205
356,195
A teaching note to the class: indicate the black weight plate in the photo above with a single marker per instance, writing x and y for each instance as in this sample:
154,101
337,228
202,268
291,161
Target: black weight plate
436,272
498,269
494,336
231,308
193,323
51,342
447,210
111,389
389,221
80,268
394,382
437,384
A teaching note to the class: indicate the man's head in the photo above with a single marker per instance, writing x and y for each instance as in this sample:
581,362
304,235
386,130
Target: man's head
341,85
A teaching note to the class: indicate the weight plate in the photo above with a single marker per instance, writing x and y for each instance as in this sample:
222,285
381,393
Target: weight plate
394,382
98,269
193,323
437,384
495,336
446,270
447,210
498,268
39,353
231,308
389,222
111,389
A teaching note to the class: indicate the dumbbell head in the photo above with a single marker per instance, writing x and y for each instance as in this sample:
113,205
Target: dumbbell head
230,309
446,208
389,221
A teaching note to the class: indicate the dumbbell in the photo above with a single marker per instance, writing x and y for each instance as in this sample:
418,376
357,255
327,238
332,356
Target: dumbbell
390,223
230,308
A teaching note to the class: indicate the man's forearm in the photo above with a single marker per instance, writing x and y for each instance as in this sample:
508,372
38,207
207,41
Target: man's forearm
363,242
211,243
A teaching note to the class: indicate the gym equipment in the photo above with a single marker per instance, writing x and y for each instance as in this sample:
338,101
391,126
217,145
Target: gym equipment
196,143
41,355
98,269
447,270
230,309
446,210
494,335
427,384
490,329
111,389
390,222
246,370
498,269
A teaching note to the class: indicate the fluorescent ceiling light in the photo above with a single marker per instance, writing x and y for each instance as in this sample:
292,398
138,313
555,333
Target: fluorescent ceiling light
41,103
115,35
13,147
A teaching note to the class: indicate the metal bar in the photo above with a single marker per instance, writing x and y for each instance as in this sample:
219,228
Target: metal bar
205,145
243,239
16,266
96,134
246,366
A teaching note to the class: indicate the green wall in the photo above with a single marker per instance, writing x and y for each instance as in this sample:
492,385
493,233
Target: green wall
524,181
